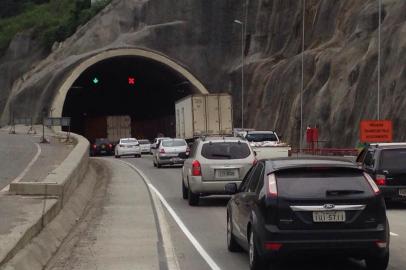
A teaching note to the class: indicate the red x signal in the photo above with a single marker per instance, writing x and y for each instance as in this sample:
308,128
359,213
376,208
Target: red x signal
131,80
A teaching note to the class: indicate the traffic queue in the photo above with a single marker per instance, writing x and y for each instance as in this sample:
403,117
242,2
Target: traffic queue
303,205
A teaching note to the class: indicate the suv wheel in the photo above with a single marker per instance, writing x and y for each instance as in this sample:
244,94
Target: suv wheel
256,262
184,191
377,262
158,165
193,198
232,244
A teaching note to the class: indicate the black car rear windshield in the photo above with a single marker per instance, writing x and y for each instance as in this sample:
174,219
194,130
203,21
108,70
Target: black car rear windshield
173,143
102,140
225,150
322,183
261,137
144,142
393,159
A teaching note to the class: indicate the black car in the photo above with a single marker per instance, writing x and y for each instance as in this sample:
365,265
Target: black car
308,206
102,146
386,163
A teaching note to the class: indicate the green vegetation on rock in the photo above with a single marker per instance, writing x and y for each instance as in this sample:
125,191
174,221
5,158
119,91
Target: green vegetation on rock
51,20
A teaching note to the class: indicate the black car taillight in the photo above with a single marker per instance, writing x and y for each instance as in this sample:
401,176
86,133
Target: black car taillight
380,179
372,184
272,187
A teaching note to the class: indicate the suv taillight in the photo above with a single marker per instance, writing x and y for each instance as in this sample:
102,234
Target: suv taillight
272,188
380,179
196,168
254,162
372,184
94,146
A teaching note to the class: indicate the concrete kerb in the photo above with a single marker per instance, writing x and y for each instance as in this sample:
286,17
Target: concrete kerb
60,184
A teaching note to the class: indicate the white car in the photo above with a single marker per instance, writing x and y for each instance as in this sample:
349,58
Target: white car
145,146
170,152
127,147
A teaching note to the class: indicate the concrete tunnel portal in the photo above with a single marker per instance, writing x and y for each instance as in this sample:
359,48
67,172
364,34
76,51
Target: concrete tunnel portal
144,86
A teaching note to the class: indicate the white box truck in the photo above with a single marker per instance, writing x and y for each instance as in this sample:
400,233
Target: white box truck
204,115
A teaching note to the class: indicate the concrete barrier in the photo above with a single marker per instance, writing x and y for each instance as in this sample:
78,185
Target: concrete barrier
57,187
36,254
64,179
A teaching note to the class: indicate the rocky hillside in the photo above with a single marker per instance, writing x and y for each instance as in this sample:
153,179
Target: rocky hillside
340,67
340,59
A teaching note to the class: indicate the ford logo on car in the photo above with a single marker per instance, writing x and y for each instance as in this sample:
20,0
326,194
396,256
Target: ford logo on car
329,206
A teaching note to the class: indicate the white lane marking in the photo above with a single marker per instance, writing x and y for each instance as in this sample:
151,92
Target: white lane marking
23,173
394,234
180,223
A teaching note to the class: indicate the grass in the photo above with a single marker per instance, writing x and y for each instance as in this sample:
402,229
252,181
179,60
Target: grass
51,22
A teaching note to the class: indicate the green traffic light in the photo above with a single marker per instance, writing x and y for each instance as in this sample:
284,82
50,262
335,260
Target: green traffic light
95,80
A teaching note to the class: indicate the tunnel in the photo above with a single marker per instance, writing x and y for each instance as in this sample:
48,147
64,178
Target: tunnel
136,88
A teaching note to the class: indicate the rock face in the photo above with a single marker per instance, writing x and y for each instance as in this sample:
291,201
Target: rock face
340,67
340,59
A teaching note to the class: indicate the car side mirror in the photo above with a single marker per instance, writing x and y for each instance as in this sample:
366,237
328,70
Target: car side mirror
255,153
231,188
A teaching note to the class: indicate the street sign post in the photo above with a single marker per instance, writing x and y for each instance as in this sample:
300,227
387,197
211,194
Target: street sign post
26,121
55,121
375,131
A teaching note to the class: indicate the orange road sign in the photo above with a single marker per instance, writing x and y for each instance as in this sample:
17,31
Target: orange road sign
372,131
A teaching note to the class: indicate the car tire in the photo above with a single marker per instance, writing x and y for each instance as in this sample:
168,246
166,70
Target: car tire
158,165
377,262
184,191
193,198
232,244
117,156
256,262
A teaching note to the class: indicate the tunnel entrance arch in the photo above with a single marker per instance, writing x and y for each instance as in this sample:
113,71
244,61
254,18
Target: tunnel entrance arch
160,82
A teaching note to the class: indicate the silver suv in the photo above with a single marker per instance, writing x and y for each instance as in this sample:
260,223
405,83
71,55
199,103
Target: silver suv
213,163
170,152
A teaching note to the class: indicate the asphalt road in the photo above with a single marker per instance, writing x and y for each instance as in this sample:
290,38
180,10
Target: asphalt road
16,152
207,223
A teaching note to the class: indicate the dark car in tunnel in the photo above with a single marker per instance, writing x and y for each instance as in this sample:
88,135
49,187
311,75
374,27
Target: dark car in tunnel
288,207
102,147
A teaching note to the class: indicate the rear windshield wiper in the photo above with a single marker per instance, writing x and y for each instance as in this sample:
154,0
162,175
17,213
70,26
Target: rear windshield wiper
221,155
342,192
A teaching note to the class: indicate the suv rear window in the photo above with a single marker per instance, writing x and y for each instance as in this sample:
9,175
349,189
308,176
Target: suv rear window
322,183
173,143
393,159
261,137
129,141
225,150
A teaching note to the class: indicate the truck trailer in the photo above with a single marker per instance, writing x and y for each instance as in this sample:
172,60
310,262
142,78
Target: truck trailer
204,115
